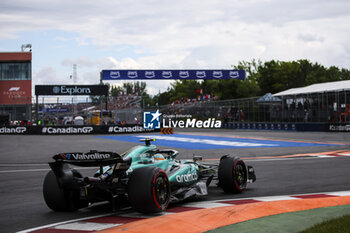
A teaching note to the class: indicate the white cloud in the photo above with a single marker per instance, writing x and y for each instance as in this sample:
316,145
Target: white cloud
46,75
185,34
80,61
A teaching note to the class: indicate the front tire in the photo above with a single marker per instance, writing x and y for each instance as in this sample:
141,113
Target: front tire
233,174
149,190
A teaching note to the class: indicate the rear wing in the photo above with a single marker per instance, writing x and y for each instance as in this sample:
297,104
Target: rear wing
88,159
65,176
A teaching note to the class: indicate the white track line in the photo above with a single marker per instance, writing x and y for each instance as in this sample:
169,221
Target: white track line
282,197
64,222
43,169
29,170
22,164
85,226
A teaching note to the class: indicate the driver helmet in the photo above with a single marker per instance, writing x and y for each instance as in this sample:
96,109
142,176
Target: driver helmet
158,157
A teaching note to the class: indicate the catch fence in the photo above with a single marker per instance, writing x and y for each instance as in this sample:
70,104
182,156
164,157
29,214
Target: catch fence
328,107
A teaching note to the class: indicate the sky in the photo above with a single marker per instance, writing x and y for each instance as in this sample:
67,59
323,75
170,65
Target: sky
168,34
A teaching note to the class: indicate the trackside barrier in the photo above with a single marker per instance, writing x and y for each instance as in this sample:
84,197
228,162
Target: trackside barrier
112,129
67,130
286,126
338,127
260,126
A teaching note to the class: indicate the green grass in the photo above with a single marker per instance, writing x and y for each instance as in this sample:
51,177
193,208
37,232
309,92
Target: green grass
337,225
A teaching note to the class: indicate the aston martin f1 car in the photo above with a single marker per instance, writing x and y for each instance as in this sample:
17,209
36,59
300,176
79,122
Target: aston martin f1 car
145,177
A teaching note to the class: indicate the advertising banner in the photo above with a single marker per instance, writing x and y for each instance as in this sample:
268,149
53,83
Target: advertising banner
71,90
54,110
172,74
341,127
16,92
68,130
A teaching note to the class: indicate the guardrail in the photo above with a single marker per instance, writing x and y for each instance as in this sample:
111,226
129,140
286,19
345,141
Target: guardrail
67,130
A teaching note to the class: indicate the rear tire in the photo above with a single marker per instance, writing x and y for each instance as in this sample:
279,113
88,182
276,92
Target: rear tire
233,175
149,190
59,199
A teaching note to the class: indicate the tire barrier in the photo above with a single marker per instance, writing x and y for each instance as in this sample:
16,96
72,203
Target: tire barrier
82,129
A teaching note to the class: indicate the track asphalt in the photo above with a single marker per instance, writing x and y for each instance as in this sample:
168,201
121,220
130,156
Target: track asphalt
205,142
322,167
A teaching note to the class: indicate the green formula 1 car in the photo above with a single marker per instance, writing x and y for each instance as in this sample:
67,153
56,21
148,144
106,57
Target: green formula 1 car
144,177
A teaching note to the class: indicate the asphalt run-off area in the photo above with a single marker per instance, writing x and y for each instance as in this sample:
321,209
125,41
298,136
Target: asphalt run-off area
202,142
288,165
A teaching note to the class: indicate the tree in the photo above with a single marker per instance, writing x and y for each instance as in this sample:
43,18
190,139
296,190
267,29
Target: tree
344,74
140,88
116,91
261,78
249,87
184,89
163,98
267,80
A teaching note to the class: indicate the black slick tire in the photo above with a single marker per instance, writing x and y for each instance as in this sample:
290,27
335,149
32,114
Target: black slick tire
149,190
59,199
233,174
